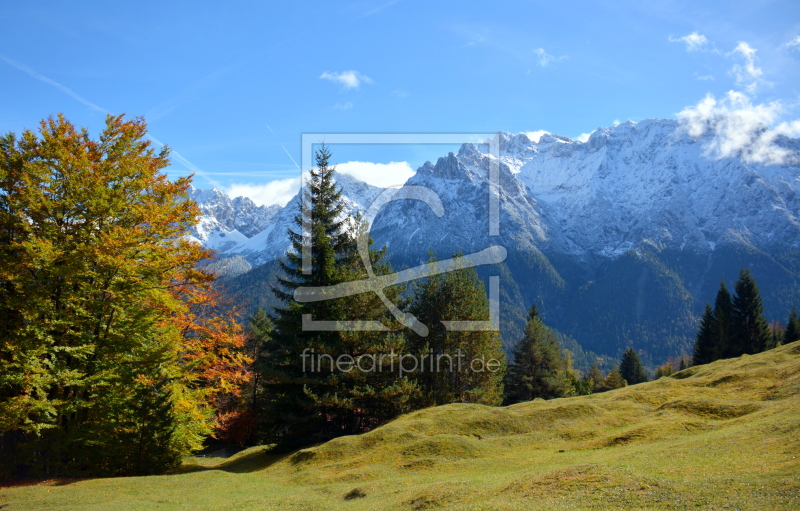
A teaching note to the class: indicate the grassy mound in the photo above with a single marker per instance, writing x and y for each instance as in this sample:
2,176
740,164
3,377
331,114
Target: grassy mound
724,435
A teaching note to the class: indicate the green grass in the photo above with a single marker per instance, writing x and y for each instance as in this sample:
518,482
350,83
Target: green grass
721,436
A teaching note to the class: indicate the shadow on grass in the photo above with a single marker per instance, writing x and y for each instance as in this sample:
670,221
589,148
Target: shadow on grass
249,460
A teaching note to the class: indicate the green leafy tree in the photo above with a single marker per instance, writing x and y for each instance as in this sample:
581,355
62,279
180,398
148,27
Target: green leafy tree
749,328
455,366
595,378
630,367
792,331
613,380
91,376
538,368
664,370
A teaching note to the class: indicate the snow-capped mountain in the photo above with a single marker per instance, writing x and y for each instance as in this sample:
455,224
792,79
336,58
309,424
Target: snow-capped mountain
635,182
257,234
635,206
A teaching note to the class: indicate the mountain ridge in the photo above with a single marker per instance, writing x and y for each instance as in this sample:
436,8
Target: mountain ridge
635,218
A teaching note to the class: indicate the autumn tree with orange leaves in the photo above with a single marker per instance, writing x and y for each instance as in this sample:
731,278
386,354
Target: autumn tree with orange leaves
216,359
113,355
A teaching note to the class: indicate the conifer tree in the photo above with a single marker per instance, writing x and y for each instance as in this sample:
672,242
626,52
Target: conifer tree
683,364
309,397
537,370
723,321
706,345
630,367
792,331
749,329
293,414
457,295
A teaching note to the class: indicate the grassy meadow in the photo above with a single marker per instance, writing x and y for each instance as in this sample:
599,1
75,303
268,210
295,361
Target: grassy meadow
720,436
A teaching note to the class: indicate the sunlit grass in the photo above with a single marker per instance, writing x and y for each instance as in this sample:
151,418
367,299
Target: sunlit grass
721,436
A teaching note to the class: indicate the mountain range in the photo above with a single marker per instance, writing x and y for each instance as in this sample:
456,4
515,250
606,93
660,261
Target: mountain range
619,239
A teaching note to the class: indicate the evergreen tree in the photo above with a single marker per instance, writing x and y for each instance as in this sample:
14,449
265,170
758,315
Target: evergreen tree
537,370
308,396
630,367
792,332
723,321
705,347
461,370
683,364
749,329
293,416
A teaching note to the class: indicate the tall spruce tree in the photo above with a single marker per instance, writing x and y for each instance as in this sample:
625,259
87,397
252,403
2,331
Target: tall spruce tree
723,321
749,328
792,331
308,396
630,367
537,369
705,346
293,416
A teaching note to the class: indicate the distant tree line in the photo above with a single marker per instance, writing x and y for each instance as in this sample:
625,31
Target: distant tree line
736,325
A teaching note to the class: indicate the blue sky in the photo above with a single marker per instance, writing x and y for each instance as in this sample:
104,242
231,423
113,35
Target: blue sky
232,87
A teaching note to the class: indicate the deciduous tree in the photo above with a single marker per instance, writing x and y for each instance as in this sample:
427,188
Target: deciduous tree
91,248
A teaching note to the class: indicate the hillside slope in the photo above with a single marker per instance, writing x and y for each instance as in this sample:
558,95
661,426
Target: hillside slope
720,436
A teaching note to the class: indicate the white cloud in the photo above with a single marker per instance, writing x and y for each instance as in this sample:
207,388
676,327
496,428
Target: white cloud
544,57
794,43
704,77
400,93
747,74
347,79
694,41
279,191
347,105
384,175
616,122
535,136
740,128
583,137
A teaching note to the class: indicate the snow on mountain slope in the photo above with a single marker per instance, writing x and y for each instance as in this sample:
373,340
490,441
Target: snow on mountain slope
238,228
632,183
649,181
